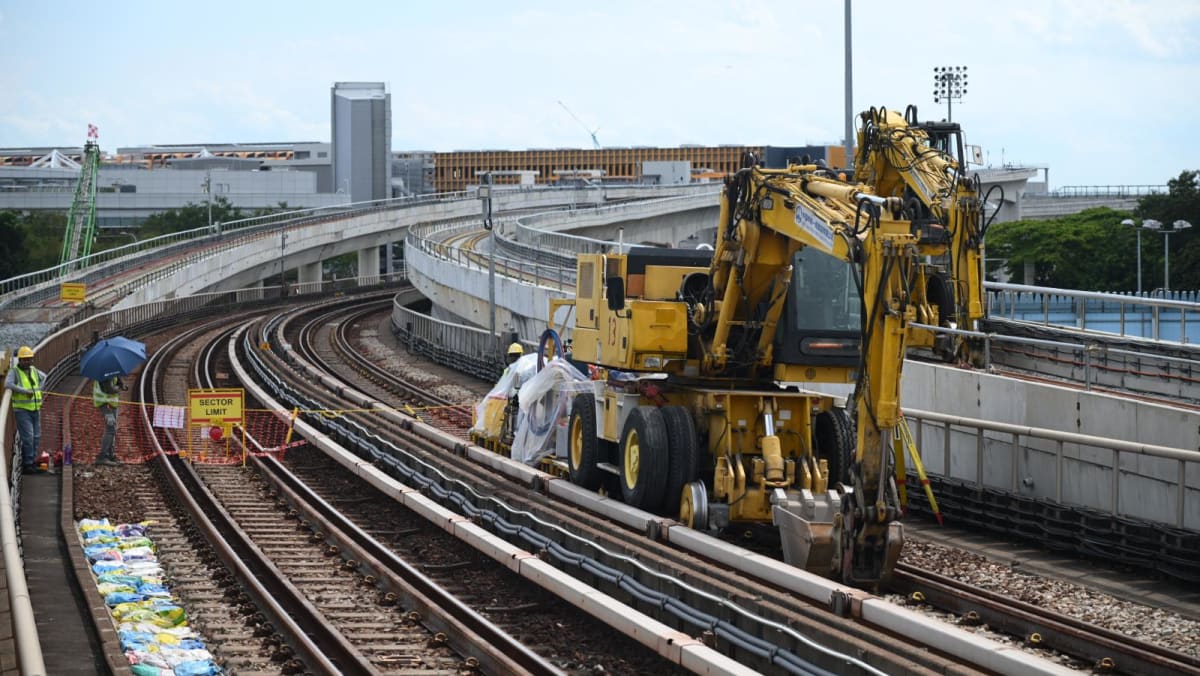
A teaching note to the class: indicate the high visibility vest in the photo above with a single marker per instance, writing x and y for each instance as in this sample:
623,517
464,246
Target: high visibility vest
29,380
102,398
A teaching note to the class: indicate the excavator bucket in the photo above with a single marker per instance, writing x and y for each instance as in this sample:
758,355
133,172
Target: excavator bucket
806,524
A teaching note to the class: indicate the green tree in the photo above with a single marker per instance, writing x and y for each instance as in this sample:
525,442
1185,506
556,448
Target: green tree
267,211
1180,203
12,245
44,232
1090,251
189,217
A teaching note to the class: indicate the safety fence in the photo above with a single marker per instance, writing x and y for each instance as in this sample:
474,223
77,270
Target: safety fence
73,429
464,348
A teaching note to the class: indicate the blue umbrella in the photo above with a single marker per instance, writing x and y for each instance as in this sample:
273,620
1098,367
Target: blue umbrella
115,356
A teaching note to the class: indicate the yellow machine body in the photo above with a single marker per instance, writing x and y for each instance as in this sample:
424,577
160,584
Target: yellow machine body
715,371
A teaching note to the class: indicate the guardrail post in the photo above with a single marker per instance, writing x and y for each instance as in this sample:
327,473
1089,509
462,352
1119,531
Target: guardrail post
946,447
979,457
1182,493
1058,474
1116,482
1087,368
1013,485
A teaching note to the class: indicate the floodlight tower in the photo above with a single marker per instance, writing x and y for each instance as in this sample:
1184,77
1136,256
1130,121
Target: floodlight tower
949,83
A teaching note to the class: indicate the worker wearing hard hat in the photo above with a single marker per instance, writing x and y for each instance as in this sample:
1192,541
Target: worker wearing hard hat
25,382
106,398
515,352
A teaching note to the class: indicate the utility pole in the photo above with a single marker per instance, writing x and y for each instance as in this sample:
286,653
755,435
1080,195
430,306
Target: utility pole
849,94
208,191
485,196
282,264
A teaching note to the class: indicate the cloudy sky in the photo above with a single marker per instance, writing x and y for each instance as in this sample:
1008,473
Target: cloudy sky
1102,92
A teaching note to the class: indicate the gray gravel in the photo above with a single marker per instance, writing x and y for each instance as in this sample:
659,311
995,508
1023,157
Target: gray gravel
16,334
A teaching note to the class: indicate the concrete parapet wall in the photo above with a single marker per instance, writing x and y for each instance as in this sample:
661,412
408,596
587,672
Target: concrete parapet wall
1040,206
1146,487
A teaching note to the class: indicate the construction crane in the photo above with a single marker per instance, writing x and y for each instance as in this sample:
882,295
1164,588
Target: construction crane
591,132
81,219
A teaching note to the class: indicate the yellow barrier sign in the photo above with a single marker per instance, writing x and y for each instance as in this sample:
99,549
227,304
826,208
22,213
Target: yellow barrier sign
216,407
72,292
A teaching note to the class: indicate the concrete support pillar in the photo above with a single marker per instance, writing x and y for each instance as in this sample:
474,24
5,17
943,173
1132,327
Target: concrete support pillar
1030,273
308,277
368,266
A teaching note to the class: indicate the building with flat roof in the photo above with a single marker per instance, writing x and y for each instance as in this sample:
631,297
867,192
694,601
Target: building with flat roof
458,169
361,123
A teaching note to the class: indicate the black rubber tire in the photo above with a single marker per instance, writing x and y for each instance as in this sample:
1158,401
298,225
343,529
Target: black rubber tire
683,456
582,444
833,441
643,468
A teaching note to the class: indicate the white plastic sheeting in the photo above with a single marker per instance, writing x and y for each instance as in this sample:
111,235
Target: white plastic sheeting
489,412
545,401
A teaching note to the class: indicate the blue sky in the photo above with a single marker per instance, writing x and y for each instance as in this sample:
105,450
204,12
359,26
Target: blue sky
1102,91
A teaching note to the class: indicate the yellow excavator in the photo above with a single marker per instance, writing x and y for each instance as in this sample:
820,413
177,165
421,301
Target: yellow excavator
813,281
713,372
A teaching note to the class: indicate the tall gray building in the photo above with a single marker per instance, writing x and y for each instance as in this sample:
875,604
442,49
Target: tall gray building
362,140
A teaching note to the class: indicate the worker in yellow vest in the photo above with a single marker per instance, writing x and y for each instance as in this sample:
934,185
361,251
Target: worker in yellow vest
105,398
25,382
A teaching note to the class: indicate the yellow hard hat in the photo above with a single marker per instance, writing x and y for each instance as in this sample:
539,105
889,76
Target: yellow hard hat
25,352
516,348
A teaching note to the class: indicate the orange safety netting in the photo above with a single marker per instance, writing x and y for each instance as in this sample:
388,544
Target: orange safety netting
75,422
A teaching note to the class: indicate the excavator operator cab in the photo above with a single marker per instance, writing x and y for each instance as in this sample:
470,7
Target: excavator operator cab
822,316
944,136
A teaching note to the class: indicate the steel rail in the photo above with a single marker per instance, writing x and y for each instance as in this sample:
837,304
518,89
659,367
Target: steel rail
1042,627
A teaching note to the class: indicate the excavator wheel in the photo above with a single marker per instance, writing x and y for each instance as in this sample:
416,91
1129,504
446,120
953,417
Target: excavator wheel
644,458
582,444
833,440
693,506
683,453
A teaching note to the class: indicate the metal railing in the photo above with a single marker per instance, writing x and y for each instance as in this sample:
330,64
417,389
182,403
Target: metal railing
440,241
1058,306
978,428
569,245
23,290
466,348
1107,190
1087,351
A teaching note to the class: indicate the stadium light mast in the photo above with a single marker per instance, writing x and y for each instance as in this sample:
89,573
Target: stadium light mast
949,83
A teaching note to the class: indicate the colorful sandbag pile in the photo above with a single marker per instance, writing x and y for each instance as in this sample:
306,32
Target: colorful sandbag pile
152,627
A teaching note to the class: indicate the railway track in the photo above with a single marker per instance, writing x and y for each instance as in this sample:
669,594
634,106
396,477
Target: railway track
700,581
1105,650
1085,641
270,593
666,575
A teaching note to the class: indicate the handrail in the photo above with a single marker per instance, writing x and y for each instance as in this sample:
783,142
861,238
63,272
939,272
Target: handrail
25,632
1117,446
1109,297
1004,300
